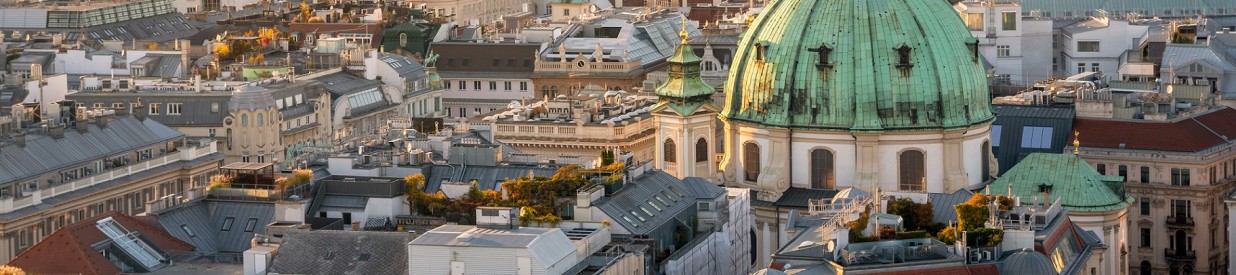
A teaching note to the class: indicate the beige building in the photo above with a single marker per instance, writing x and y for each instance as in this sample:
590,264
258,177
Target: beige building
292,121
575,126
102,162
1179,170
472,12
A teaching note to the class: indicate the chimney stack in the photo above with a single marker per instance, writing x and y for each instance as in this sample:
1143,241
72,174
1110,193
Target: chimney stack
139,111
20,138
56,130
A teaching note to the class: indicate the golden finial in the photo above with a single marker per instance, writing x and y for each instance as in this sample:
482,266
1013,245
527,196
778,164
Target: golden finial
683,33
1076,142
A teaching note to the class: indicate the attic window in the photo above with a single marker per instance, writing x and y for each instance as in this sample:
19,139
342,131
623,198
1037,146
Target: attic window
188,231
903,60
761,51
973,45
823,51
251,225
227,224
363,257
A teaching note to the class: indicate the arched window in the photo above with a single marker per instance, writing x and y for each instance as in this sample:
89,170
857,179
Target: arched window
822,176
544,90
1146,268
670,150
260,120
244,120
912,177
701,150
751,161
986,160
553,90
403,39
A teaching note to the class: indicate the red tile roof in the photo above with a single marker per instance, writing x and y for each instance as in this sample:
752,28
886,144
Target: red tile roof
1185,135
69,251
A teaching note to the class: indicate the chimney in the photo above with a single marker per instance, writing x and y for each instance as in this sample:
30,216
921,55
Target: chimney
140,111
185,70
20,139
82,126
56,130
102,118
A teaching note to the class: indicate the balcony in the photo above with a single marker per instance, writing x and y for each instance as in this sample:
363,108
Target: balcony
1179,221
1173,255
186,153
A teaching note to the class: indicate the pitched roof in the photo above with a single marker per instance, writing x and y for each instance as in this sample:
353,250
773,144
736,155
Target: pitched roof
798,197
480,57
42,153
657,193
207,220
547,245
69,250
342,252
1184,135
1073,181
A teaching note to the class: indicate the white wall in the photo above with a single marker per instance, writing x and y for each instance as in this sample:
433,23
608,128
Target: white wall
842,146
54,91
385,207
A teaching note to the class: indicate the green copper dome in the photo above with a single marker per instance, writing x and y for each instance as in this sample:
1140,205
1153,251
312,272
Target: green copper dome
859,65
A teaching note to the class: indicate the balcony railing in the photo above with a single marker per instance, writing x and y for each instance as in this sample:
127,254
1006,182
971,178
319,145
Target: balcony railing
185,153
1172,254
1179,221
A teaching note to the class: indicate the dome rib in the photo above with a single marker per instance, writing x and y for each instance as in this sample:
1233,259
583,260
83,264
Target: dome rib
778,82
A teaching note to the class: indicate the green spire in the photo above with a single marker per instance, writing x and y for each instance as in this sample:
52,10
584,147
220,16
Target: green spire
684,87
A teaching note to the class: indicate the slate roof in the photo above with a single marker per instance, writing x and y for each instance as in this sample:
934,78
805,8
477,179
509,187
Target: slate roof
70,249
796,197
547,245
1192,134
1076,183
342,252
629,207
205,218
44,154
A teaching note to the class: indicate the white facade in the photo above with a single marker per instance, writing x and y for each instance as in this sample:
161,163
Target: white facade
474,251
1097,45
1018,48
467,97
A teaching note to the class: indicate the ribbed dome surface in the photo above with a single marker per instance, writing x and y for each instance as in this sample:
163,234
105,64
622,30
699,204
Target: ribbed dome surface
1027,262
859,65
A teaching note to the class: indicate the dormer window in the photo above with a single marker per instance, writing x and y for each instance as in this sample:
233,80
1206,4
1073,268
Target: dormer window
903,60
973,45
823,51
761,51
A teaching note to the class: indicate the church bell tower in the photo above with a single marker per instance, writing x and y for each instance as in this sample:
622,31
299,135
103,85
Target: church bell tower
686,118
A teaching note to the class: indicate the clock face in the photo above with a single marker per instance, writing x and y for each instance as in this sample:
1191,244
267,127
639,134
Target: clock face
580,63
227,121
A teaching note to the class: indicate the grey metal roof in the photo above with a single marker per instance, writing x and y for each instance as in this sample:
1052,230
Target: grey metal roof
799,197
343,203
251,98
487,177
1026,261
1180,56
340,83
205,218
942,205
195,109
1052,8
650,41
342,252
629,207
404,66
545,244
43,154
159,28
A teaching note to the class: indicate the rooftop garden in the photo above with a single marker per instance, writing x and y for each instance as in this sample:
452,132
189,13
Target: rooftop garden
540,197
